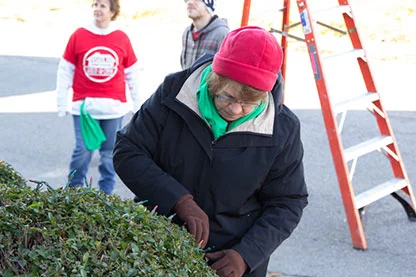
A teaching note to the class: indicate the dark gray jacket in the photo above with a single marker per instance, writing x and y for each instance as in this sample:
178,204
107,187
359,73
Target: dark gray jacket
208,42
250,181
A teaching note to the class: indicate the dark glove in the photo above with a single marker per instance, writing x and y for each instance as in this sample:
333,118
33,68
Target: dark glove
195,219
227,263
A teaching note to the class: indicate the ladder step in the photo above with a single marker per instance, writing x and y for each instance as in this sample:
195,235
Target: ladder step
360,101
354,53
337,9
367,147
378,192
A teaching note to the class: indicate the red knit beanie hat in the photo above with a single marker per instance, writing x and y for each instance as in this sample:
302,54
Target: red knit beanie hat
249,55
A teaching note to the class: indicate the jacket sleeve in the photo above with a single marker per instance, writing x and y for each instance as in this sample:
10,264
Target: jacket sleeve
222,33
283,197
134,157
64,81
131,77
183,51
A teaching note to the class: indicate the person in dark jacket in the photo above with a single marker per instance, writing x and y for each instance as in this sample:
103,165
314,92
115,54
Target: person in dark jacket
205,34
215,145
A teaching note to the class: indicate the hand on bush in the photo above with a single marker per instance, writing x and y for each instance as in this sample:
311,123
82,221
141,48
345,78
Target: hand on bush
227,263
195,219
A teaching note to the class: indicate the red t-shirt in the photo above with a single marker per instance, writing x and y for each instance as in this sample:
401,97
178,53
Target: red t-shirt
99,62
195,35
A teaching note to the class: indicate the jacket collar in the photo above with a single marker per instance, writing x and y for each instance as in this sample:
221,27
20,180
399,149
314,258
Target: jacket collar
263,124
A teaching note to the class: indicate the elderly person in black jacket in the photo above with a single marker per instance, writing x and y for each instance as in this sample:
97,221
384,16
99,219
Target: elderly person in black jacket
215,145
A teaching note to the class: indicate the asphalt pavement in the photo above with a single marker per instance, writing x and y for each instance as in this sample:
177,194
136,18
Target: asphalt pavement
38,144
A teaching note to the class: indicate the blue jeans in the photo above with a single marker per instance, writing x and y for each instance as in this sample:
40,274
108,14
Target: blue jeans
81,156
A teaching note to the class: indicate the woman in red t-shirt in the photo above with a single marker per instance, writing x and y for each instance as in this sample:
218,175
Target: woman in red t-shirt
97,63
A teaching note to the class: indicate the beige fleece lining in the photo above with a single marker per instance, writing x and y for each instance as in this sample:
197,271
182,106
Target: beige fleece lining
262,124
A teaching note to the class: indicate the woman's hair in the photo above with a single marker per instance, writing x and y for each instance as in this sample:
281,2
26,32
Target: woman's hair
115,7
217,83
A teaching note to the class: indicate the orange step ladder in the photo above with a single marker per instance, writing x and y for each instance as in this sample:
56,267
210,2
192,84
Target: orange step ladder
345,159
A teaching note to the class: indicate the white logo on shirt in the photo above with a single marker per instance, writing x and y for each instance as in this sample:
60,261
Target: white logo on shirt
100,64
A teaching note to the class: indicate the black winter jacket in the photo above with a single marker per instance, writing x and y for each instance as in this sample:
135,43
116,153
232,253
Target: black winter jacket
250,181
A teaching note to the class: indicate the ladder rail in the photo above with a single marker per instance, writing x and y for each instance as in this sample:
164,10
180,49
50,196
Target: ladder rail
285,29
246,13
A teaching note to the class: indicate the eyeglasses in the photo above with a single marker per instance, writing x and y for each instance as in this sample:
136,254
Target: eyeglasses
231,100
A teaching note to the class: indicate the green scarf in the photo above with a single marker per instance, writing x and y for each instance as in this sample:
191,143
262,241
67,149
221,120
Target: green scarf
209,112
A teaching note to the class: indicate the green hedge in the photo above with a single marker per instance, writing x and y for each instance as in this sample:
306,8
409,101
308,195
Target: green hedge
9,176
82,232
